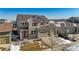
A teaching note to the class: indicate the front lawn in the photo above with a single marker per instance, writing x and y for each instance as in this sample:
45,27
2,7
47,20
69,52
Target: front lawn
32,47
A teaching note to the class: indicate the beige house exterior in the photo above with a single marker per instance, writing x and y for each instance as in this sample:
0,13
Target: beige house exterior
28,25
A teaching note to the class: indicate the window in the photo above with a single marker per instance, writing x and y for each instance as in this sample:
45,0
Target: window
42,23
76,30
47,22
34,24
33,32
23,23
62,24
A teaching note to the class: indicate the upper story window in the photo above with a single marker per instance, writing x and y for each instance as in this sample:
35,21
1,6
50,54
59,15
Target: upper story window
42,23
62,24
47,22
34,24
24,25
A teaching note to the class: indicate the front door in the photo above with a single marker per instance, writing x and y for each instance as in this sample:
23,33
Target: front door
25,34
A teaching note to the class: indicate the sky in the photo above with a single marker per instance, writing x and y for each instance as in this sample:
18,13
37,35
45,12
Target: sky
51,13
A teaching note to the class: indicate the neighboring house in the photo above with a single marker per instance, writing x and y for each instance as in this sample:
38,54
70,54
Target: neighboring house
66,27
5,34
27,25
77,28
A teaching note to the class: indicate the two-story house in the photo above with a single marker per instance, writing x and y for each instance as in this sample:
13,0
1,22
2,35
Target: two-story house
28,25
66,27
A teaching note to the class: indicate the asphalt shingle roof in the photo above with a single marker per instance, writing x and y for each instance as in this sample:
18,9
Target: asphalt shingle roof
5,27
